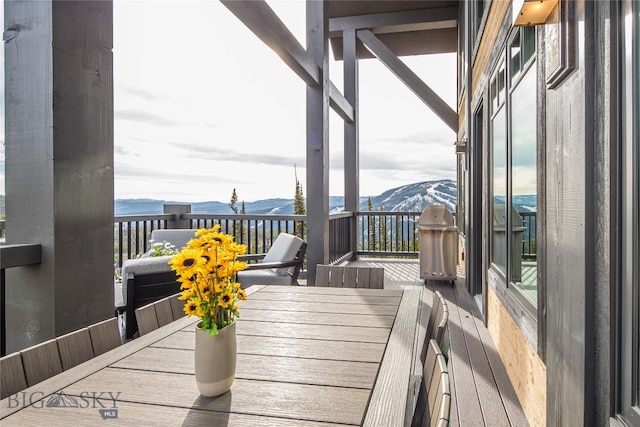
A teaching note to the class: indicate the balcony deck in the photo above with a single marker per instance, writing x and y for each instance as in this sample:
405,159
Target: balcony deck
482,392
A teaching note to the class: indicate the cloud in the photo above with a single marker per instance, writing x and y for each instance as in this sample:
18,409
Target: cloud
124,90
232,154
144,117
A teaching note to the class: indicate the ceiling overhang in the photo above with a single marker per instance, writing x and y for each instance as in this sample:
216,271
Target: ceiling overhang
405,27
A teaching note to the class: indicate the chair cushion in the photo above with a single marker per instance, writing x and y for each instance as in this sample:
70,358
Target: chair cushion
262,277
285,248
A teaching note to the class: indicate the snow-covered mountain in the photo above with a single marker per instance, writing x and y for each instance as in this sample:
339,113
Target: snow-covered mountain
412,197
415,197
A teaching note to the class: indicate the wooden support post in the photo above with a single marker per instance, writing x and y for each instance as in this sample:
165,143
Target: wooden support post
177,209
351,138
318,140
59,165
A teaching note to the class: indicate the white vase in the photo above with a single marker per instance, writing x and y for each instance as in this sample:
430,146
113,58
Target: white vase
215,360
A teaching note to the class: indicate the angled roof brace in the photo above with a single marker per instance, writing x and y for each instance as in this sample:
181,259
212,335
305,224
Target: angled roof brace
409,78
258,16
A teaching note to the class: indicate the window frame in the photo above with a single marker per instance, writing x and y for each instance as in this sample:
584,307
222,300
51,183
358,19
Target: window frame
529,318
627,337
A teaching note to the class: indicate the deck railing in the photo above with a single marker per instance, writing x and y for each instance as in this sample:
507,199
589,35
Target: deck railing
388,234
257,232
380,234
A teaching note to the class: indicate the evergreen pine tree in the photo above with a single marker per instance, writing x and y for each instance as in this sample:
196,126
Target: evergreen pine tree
383,230
372,227
233,201
299,207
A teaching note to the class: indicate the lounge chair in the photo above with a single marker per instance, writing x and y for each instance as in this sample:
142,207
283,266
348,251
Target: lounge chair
279,266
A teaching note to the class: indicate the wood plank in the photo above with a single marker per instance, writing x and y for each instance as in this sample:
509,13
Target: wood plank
389,397
41,361
290,347
105,335
490,402
314,307
177,307
319,332
336,276
377,278
322,275
285,400
75,348
339,299
503,383
375,321
463,386
340,104
147,319
334,291
140,414
337,373
163,312
493,410
12,379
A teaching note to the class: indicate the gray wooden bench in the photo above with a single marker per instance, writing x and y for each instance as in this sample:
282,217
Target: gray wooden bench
433,407
350,277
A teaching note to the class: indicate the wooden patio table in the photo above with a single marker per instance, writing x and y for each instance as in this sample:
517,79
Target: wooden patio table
306,356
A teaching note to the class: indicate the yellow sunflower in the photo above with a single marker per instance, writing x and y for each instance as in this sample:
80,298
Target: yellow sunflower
191,308
225,300
205,289
242,295
187,262
187,294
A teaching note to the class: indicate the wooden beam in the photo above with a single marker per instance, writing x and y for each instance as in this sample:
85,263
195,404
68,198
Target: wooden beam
351,137
19,255
339,103
409,78
264,23
318,141
397,21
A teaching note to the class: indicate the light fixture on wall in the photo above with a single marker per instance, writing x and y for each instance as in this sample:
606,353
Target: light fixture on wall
532,12
461,146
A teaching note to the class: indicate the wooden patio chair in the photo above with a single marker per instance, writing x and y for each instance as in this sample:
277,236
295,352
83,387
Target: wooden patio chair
105,336
164,314
437,321
281,265
146,280
12,378
147,319
177,306
41,361
350,277
75,348
433,407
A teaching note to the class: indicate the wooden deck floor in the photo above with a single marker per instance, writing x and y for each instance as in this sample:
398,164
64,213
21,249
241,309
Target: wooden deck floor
482,392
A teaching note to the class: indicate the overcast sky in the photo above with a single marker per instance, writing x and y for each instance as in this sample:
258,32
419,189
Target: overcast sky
202,106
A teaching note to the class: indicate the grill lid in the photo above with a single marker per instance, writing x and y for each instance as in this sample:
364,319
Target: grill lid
436,215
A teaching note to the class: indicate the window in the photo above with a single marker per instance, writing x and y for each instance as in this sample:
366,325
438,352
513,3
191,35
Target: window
514,167
629,158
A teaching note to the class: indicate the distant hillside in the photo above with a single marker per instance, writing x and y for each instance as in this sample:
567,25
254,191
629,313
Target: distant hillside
412,197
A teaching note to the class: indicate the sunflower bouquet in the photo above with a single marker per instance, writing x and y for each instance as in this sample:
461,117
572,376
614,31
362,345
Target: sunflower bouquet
206,269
